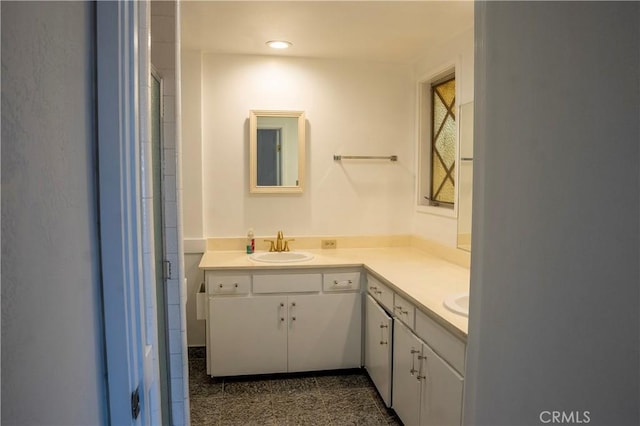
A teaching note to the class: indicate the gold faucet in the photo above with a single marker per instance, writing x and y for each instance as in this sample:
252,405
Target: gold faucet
280,243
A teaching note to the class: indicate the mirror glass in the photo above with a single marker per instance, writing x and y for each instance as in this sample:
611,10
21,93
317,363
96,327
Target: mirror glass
465,180
276,151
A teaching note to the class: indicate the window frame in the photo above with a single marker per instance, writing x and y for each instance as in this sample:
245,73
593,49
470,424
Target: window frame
424,119
432,95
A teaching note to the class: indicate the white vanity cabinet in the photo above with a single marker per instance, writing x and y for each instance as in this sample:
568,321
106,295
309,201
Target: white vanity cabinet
426,390
248,335
406,384
378,347
324,331
419,371
283,321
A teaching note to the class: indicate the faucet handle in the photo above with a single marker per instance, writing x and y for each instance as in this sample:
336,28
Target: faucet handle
271,246
286,244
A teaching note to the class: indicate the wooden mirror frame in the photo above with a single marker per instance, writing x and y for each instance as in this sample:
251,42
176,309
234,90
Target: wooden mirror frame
253,152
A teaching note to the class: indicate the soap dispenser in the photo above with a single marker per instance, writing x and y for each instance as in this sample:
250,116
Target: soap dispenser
251,242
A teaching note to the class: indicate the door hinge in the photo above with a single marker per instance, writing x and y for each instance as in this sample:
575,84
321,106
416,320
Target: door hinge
135,403
167,270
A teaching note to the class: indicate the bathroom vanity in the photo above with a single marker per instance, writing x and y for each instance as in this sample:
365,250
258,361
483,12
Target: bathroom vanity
424,366
381,309
267,321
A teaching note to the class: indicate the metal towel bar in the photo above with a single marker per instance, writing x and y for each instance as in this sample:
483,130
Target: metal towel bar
364,157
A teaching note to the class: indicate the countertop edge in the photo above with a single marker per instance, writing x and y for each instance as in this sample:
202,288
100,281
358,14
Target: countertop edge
336,263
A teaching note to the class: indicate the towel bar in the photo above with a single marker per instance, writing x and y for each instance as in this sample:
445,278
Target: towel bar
364,157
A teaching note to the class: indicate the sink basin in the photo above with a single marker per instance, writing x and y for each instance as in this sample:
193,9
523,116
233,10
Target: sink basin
458,303
281,257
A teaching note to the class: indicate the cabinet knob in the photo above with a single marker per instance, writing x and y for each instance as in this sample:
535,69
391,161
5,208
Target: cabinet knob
419,377
293,318
383,342
384,326
373,287
220,285
414,351
281,305
293,303
235,285
282,319
413,371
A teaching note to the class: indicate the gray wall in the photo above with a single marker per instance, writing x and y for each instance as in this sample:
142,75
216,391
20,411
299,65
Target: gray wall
52,367
554,321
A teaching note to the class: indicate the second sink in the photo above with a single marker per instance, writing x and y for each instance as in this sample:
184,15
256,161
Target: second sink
458,303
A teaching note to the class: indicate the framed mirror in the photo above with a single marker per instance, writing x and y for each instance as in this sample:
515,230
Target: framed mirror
276,151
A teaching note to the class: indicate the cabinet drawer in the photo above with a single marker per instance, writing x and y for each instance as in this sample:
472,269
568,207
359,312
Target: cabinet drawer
450,348
404,310
380,292
341,281
228,284
287,283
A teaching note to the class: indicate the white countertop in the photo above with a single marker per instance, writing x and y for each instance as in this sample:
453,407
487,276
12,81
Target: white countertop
417,275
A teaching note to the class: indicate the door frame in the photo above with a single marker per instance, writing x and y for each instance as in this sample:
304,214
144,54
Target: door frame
118,147
164,377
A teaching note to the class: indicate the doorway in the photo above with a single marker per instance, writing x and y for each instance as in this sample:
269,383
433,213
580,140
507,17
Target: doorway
269,157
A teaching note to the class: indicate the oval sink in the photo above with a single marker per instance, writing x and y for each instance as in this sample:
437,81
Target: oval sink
458,303
281,257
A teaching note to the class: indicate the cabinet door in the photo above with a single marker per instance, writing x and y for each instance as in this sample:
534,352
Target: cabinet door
441,391
325,331
378,348
406,386
248,335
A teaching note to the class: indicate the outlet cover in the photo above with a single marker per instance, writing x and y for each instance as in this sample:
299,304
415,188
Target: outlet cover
328,244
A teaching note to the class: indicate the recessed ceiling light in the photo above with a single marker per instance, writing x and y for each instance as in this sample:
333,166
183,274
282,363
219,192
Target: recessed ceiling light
279,44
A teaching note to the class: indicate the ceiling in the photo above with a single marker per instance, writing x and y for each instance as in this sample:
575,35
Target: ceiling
388,31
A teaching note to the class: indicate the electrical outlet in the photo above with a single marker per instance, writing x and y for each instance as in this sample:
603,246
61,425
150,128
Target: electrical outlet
328,244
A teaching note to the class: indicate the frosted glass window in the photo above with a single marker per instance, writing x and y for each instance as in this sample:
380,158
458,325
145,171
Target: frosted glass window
443,142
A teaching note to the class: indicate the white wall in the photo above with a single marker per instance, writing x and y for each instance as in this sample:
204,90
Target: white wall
457,52
191,84
554,320
52,365
357,108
